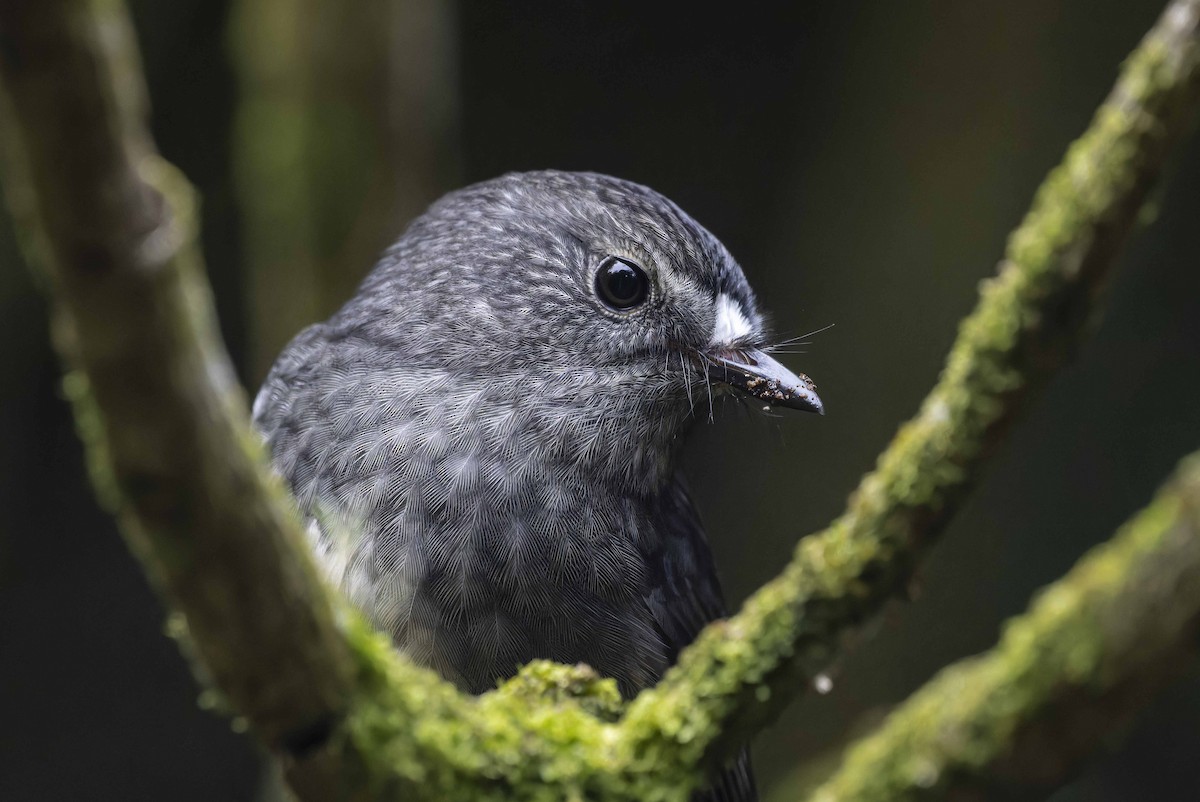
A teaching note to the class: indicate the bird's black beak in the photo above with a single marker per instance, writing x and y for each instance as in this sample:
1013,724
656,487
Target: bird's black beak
757,374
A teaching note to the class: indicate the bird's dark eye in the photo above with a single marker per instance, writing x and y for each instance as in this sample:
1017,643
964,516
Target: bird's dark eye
621,284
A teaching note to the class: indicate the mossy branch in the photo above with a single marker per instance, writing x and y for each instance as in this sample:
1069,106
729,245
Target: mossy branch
1029,318
1091,649
167,433
157,404
166,428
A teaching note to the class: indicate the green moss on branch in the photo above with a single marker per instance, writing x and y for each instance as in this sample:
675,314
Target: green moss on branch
1029,318
1090,650
160,412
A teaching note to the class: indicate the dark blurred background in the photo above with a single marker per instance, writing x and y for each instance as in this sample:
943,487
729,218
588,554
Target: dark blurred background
864,162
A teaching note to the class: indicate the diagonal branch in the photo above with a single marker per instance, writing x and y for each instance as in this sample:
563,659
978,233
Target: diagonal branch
167,432
346,125
1090,651
1029,318
156,400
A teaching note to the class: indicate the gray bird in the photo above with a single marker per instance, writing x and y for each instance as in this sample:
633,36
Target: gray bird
485,437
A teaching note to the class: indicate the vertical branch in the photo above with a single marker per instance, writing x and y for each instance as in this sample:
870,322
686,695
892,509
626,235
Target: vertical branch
158,407
347,129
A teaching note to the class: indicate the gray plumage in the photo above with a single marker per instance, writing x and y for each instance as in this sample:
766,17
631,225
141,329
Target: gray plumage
487,449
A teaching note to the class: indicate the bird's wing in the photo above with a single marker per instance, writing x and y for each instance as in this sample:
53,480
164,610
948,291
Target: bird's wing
684,595
683,591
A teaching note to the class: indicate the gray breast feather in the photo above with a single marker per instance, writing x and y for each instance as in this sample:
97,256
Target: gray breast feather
474,547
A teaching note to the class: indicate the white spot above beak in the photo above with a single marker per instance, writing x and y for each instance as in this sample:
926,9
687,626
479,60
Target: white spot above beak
731,323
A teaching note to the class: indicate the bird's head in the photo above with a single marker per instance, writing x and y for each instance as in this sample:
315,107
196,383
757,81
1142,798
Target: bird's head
574,291
553,272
